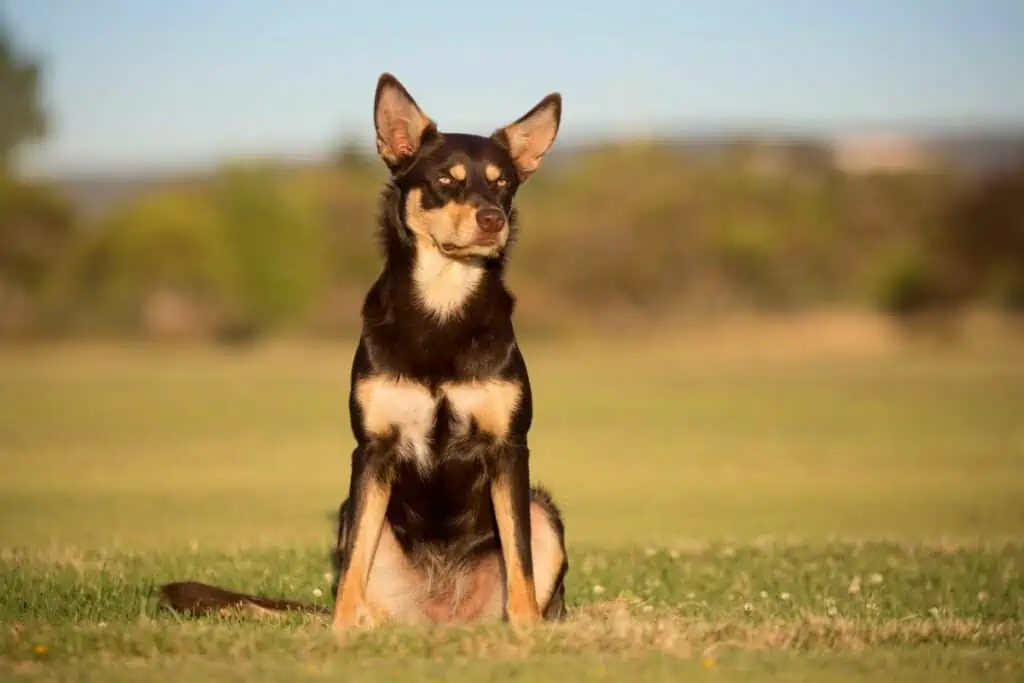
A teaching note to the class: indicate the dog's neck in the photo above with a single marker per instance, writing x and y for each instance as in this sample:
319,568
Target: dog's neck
443,285
441,289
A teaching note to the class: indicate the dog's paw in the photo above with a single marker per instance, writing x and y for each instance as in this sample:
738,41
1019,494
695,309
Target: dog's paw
353,617
523,622
523,616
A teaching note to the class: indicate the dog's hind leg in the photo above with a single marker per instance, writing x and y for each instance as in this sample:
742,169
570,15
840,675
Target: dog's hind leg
550,562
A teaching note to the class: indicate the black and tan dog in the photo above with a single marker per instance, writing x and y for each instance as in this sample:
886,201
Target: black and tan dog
441,522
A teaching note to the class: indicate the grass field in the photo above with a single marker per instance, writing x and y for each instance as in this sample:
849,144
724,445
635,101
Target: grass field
775,511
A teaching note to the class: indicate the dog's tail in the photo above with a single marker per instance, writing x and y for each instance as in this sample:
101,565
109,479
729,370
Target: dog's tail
200,599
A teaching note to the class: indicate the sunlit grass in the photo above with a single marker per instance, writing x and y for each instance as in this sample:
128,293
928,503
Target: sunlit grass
741,514
643,444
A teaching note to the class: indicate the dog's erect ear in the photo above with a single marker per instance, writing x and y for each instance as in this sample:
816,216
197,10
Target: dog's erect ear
399,122
530,137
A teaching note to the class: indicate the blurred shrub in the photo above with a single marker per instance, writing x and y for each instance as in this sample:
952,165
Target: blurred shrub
641,229
162,263
903,283
981,243
238,257
653,228
36,227
276,248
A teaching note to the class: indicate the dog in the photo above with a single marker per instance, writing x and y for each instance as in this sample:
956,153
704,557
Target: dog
441,523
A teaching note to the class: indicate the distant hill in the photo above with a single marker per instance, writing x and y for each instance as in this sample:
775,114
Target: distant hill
983,153
93,194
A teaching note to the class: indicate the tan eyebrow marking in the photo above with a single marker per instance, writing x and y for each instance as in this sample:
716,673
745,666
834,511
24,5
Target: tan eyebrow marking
492,172
458,171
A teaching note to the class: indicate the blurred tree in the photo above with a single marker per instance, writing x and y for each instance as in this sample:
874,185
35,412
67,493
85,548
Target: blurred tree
22,118
981,246
618,229
351,156
35,222
278,243
903,283
36,226
161,262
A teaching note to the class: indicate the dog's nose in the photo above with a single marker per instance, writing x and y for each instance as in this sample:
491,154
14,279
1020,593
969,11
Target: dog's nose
490,220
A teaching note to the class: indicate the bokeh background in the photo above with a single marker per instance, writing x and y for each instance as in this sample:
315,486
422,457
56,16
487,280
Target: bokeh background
207,172
774,262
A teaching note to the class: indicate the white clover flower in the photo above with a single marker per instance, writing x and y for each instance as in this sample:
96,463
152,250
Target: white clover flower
317,592
875,579
748,608
785,596
764,595
854,585
598,589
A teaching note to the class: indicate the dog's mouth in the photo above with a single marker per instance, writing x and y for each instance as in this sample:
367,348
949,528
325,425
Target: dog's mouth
483,245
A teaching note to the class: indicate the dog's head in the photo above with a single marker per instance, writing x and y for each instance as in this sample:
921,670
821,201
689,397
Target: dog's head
457,189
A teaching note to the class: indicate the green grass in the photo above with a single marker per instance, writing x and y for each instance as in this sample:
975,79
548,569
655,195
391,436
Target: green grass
825,517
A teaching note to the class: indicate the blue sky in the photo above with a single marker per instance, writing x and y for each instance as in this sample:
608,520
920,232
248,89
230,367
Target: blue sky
134,84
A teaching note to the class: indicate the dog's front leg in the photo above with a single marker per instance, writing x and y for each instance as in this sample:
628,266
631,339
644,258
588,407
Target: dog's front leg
510,493
370,490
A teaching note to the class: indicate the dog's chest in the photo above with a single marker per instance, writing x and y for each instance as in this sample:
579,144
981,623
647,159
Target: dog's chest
413,411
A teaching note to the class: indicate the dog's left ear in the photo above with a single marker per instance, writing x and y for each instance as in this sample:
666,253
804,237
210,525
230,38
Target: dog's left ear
530,136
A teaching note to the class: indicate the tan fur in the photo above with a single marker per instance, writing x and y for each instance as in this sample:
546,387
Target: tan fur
492,172
458,171
491,403
453,223
521,594
352,608
547,552
391,403
416,217
462,217
394,587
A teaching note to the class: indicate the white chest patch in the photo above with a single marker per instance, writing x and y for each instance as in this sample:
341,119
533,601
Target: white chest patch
442,284
491,403
409,407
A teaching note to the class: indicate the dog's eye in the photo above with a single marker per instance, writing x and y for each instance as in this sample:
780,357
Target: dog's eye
501,182
445,180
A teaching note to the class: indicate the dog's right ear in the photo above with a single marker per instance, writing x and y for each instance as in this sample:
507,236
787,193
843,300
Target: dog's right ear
400,123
